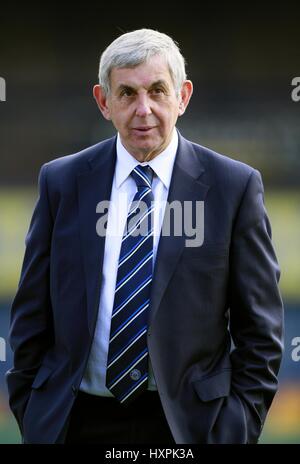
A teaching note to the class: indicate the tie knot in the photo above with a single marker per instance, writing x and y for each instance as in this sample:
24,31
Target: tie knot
143,176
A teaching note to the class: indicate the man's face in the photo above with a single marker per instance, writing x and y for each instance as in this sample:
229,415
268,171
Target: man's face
143,106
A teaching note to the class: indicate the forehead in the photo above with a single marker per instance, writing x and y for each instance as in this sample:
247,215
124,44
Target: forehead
142,75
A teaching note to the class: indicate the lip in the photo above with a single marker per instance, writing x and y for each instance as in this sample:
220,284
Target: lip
143,128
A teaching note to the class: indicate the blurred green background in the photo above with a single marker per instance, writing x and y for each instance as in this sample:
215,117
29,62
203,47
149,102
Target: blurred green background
241,61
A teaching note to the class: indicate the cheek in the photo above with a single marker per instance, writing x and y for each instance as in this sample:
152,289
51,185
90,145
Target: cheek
171,111
169,119
120,119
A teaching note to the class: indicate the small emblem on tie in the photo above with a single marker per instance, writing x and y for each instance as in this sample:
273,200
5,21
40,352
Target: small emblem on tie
135,374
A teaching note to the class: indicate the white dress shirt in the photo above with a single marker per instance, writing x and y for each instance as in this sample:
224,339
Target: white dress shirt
122,193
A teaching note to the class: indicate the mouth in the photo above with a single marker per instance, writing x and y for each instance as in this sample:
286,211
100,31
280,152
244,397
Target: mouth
142,129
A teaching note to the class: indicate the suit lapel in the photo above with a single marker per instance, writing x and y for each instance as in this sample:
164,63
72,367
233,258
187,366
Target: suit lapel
185,186
94,185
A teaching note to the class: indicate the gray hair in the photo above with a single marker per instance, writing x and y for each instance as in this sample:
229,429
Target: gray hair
136,47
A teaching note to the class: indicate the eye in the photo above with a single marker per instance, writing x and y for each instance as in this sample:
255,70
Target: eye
126,92
157,90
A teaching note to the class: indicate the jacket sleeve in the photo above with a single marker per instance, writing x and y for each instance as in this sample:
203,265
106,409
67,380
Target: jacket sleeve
256,311
31,328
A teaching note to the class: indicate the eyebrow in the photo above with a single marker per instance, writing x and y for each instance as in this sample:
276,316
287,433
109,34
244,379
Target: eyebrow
160,82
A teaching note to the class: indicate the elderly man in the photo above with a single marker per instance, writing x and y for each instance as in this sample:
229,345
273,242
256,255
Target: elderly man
122,328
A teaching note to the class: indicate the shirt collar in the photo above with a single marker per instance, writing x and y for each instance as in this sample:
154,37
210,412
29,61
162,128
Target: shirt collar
162,164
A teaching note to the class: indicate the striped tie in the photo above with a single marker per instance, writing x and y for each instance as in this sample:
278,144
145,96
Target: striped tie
127,363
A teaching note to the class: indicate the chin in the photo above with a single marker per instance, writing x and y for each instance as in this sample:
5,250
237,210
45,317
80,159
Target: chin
143,145
147,142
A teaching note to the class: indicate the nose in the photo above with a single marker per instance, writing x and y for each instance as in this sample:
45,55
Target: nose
143,107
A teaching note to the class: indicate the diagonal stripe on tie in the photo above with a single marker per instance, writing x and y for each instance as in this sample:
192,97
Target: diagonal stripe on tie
135,248
127,362
131,342
129,320
134,270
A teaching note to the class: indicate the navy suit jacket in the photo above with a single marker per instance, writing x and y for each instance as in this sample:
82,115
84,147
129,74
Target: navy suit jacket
216,316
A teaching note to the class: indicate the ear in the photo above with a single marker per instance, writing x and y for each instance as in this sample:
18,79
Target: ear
185,95
102,101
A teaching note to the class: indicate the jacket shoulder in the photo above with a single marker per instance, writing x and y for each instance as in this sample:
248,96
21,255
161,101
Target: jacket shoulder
78,161
219,162
230,176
